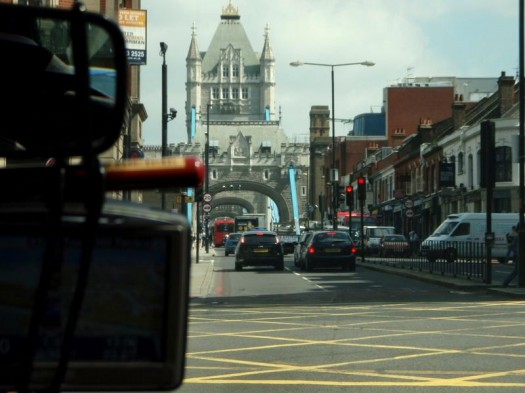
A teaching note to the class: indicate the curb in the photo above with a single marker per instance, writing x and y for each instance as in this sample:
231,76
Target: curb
450,282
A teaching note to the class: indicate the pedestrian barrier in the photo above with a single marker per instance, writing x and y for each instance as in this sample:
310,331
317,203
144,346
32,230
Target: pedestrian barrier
454,259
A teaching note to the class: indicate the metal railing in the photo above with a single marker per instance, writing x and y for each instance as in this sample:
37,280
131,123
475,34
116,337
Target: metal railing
453,259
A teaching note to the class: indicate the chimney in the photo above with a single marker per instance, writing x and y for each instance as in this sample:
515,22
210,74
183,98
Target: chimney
505,93
458,114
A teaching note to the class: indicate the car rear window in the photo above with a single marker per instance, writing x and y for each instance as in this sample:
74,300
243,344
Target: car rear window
331,236
234,236
259,239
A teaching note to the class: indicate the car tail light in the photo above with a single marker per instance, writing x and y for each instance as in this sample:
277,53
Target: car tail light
277,240
354,250
311,250
242,240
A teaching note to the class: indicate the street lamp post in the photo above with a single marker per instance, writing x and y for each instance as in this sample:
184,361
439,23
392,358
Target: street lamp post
166,117
163,49
333,172
207,173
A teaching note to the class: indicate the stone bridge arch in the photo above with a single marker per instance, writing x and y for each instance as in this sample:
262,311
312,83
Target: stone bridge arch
219,201
274,193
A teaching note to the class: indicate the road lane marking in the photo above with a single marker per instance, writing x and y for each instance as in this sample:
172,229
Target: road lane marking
232,375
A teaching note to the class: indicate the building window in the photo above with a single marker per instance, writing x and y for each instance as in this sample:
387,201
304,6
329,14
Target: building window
502,202
470,173
303,191
213,148
266,174
214,174
266,147
235,71
244,93
503,163
215,93
460,163
235,93
225,93
225,71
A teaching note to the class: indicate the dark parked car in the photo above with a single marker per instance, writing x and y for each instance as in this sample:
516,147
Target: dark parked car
329,249
394,245
231,243
259,248
303,239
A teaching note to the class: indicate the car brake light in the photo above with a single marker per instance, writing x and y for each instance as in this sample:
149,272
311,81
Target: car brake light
354,250
242,240
260,234
311,250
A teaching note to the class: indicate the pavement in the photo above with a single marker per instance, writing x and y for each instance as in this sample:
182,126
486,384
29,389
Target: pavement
201,272
202,275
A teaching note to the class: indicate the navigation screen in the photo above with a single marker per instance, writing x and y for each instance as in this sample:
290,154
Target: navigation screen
122,315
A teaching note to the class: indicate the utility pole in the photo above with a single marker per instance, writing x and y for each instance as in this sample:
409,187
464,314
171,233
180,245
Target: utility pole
163,49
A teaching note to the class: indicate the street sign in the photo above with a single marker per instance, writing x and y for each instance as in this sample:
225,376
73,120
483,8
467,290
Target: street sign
207,198
206,208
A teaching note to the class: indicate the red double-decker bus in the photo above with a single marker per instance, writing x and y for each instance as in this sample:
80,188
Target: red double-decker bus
221,227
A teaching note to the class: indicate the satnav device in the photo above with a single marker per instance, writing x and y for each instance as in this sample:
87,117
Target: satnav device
128,335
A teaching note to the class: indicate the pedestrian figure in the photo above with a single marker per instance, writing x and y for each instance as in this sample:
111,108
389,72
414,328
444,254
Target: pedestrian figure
512,243
514,250
413,239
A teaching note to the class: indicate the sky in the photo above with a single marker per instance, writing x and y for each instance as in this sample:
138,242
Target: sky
404,38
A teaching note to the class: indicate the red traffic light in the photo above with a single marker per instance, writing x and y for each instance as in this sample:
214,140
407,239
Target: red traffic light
350,197
361,188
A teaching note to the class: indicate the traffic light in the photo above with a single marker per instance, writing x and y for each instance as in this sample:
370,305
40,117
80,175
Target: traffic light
199,193
361,188
350,197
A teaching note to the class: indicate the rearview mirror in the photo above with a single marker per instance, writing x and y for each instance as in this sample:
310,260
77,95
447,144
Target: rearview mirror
63,78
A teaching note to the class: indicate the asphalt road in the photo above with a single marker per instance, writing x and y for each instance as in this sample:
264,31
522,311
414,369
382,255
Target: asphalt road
366,331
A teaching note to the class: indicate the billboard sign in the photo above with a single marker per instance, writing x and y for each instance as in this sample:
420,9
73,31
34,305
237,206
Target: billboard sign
134,27
447,173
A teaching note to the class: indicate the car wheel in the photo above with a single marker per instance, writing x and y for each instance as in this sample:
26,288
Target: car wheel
280,266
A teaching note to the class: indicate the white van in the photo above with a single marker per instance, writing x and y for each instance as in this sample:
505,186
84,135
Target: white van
463,234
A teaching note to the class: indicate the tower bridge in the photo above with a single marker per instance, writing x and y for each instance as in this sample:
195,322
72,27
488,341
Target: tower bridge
231,108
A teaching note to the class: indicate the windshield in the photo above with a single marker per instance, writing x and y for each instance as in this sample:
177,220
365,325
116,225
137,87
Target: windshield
259,239
445,228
